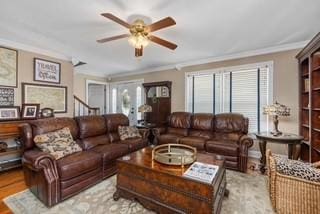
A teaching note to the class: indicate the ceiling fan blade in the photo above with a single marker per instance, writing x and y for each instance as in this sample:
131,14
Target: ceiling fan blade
138,52
113,38
163,42
116,19
163,23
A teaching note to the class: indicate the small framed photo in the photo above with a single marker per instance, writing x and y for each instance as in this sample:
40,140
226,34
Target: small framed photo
30,111
47,112
9,113
47,71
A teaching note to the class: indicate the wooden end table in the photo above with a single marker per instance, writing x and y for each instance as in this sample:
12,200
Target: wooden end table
148,126
293,141
164,189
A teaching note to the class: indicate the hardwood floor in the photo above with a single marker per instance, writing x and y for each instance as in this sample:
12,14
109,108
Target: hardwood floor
11,182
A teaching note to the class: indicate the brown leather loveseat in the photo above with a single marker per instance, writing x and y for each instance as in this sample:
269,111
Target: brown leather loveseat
55,180
224,134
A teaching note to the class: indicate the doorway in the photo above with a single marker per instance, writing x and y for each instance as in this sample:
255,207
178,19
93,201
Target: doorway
126,97
97,95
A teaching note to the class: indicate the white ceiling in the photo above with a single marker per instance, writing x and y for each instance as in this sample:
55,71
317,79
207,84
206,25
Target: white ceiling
205,28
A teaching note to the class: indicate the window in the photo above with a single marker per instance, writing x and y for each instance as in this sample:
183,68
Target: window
244,90
114,100
139,102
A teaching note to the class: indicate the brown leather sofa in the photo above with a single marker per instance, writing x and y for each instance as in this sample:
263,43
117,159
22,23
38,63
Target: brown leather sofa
223,134
55,180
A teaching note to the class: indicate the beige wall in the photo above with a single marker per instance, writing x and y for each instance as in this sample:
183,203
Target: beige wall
80,84
285,84
25,74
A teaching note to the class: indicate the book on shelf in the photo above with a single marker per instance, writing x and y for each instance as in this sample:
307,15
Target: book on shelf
202,172
306,85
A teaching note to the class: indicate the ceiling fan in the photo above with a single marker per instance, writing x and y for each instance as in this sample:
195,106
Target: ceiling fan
139,35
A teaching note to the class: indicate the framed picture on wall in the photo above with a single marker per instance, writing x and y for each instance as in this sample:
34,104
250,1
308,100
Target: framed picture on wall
9,113
48,96
8,67
47,71
30,111
6,97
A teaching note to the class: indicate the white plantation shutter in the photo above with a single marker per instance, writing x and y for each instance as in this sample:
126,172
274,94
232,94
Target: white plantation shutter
245,95
244,91
203,94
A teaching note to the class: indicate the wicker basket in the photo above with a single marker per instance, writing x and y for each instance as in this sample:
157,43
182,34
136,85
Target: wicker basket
290,194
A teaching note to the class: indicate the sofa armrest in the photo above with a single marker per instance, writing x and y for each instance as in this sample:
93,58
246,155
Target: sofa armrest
144,133
35,159
245,142
41,175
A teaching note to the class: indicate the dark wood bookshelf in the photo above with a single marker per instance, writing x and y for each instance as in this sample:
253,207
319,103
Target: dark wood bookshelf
309,87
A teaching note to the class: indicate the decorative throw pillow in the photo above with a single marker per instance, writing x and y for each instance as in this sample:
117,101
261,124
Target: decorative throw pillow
126,132
297,169
58,143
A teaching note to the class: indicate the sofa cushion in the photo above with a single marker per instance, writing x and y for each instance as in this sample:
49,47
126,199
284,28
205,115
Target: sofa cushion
230,122
58,143
180,120
297,169
112,151
134,144
42,126
90,142
169,138
177,131
91,126
196,142
113,121
127,132
78,164
222,147
202,121
201,133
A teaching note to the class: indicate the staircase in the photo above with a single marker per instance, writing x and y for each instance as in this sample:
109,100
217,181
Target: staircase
80,108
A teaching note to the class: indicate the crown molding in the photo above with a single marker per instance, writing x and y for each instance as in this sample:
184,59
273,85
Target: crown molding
179,66
30,48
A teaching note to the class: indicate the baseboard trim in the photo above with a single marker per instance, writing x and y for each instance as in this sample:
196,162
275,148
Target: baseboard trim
257,154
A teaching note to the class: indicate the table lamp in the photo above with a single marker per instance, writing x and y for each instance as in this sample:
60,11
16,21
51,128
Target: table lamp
276,110
144,109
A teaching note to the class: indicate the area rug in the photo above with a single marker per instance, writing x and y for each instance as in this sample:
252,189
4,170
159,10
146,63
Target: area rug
248,194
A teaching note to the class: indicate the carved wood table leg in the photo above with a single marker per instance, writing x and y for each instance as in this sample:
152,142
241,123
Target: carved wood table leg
290,151
297,150
263,146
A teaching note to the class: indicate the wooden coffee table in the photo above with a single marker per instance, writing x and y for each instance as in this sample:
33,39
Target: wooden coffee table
163,189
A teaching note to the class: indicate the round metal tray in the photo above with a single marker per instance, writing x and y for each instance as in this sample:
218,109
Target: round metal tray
174,154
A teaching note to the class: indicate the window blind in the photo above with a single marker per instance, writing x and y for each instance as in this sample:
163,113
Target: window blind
243,91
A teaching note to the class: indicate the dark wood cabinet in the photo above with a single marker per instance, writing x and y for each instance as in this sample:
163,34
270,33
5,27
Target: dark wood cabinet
9,133
158,96
309,87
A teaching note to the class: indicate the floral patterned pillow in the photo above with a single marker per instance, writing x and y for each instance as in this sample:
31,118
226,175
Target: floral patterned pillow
58,143
126,132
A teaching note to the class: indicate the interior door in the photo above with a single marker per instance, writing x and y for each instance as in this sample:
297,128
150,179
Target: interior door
129,98
97,96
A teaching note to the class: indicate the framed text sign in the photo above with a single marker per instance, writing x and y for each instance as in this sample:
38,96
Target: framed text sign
47,71
6,96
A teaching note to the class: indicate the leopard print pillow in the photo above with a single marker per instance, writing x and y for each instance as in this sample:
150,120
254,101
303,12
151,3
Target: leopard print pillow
297,169
126,132
58,143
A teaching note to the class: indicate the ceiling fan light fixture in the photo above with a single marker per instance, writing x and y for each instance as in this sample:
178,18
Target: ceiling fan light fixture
138,40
